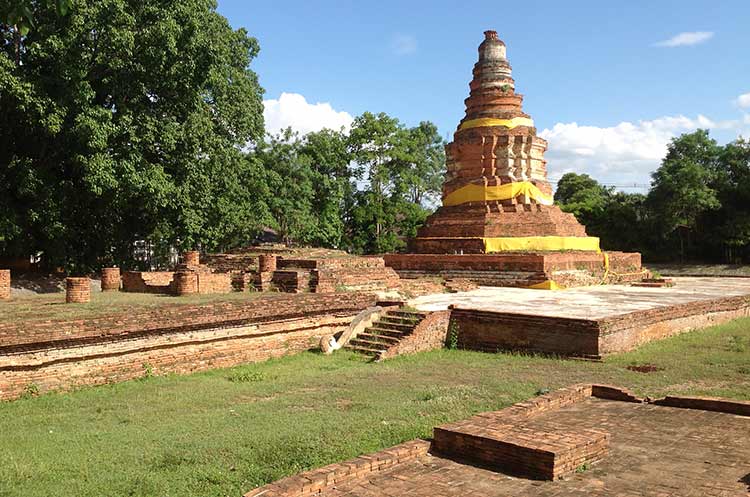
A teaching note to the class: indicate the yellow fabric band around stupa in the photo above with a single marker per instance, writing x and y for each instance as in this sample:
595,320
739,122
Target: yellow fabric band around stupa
532,243
488,121
540,244
482,193
545,285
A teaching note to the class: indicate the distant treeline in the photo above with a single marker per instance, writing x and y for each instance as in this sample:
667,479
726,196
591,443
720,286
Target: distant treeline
698,207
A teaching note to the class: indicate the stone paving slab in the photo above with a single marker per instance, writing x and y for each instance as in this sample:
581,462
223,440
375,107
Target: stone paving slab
655,451
592,302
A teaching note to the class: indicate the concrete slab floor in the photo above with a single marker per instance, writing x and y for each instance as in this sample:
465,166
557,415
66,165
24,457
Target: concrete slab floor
591,302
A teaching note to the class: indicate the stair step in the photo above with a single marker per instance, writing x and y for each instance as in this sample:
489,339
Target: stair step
417,316
377,330
398,320
373,337
395,326
371,344
363,350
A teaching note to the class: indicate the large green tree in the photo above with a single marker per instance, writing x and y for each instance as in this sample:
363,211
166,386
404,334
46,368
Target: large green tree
682,188
308,184
399,170
124,120
582,196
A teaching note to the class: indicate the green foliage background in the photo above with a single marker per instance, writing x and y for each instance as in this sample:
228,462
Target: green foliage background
698,207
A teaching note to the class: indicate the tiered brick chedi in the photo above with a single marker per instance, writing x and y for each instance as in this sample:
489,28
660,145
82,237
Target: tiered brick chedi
496,196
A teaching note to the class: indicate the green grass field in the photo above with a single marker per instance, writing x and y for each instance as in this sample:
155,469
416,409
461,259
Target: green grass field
223,432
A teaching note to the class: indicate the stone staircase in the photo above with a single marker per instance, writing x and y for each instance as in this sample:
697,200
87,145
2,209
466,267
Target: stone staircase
385,333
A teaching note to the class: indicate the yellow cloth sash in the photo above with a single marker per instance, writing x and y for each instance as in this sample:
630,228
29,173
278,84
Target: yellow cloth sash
545,285
488,121
480,193
540,243
532,243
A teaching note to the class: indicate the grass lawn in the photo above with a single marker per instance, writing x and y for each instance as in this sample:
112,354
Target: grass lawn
52,306
223,432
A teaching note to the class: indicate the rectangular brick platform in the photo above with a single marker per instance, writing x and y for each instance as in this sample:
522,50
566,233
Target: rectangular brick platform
588,321
522,270
536,454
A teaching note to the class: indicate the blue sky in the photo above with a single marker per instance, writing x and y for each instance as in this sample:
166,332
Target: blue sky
602,80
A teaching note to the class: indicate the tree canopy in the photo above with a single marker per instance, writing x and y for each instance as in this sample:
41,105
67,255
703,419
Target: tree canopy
124,120
698,206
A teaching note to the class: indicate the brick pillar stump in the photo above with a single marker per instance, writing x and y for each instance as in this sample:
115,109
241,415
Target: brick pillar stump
185,283
191,258
4,284
110,279
78,290
266,263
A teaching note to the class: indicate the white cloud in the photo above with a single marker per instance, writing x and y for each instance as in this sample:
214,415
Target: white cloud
743,101
404,44
292,109
686,39
624,154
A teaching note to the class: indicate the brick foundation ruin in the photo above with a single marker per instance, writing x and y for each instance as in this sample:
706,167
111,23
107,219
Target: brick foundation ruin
258,269
601,440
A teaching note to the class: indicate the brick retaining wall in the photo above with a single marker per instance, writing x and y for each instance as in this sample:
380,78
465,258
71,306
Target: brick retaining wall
494,331
173,338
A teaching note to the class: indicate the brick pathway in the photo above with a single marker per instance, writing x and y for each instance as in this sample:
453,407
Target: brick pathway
655,451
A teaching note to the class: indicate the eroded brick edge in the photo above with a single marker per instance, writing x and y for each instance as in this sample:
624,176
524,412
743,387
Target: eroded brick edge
315,481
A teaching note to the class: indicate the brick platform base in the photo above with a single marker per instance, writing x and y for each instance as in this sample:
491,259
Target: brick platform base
566,269
596,337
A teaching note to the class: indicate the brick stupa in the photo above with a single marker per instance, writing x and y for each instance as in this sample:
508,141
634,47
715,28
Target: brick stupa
497,199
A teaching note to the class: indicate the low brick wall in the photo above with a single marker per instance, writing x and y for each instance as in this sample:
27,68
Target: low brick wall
629,331
61,355
545,455
738,407
214,283
315,481
147,281
496,331
226,263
